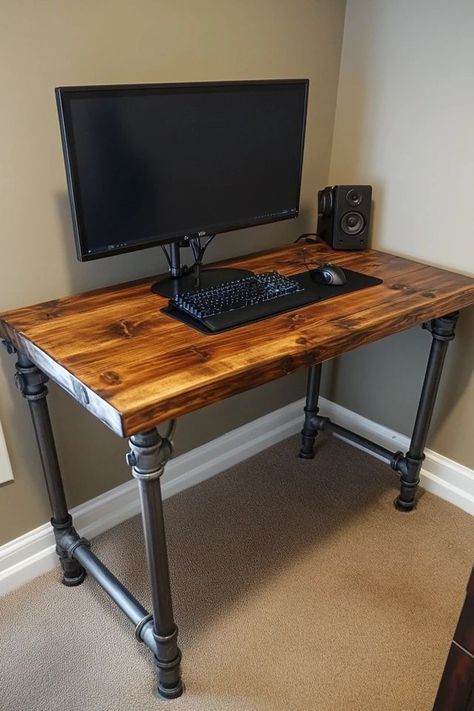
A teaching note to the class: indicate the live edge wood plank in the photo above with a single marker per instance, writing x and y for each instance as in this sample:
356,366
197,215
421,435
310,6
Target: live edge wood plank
134,367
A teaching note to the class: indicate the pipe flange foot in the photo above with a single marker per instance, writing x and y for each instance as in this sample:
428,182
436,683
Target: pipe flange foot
71,582
306,455
404,506
169,692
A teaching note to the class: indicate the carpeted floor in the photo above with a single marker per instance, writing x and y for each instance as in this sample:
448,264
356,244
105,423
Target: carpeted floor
297,586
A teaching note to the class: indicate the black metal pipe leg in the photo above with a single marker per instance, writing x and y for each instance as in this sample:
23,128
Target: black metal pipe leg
149,453
309,431
31,383
442,330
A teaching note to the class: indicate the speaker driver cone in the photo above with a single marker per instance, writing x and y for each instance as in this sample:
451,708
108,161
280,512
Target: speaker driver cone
352,223
354,197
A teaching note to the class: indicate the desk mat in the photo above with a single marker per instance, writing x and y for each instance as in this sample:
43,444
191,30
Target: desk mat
315,292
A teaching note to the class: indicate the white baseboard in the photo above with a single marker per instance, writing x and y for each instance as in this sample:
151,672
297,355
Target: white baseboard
33,553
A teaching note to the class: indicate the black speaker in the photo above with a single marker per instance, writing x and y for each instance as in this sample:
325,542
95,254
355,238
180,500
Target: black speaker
344,216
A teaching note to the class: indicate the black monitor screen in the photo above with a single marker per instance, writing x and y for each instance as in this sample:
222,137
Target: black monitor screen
149,164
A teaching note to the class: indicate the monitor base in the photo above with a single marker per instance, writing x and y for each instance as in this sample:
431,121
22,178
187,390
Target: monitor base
171,286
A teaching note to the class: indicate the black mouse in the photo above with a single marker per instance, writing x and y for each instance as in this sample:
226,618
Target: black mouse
328,274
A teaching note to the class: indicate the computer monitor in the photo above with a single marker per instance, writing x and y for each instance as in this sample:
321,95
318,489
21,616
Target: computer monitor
154,164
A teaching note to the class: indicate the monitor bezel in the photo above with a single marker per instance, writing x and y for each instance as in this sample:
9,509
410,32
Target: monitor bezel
62,93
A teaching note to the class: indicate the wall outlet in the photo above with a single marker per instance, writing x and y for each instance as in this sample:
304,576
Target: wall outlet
6,473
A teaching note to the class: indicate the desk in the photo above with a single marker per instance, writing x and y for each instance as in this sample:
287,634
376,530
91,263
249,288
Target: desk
134,368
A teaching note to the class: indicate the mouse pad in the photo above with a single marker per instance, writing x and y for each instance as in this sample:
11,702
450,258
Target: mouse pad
313,293
355,281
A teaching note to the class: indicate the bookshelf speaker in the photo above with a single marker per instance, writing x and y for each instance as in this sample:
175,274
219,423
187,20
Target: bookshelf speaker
344,216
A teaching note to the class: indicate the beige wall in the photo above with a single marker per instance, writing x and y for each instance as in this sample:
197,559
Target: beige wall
50,43
404,123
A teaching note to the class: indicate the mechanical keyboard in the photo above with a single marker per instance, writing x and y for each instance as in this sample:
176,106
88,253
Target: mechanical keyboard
241,301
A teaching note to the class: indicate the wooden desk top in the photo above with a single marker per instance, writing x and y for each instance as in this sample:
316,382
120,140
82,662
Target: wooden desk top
134,367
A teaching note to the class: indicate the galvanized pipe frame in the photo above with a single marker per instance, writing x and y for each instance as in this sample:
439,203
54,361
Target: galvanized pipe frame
31,382
311,409
325,424
408,465
78,549
148,456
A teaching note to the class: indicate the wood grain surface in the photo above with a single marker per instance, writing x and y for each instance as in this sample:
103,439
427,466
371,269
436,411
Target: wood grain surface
134,367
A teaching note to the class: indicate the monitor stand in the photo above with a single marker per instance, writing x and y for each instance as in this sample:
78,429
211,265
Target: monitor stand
181,279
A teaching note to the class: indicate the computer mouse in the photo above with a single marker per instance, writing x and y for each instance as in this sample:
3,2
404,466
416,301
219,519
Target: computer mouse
328,274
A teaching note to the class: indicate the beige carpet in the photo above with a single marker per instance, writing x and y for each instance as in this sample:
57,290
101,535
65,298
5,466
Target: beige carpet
297,586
